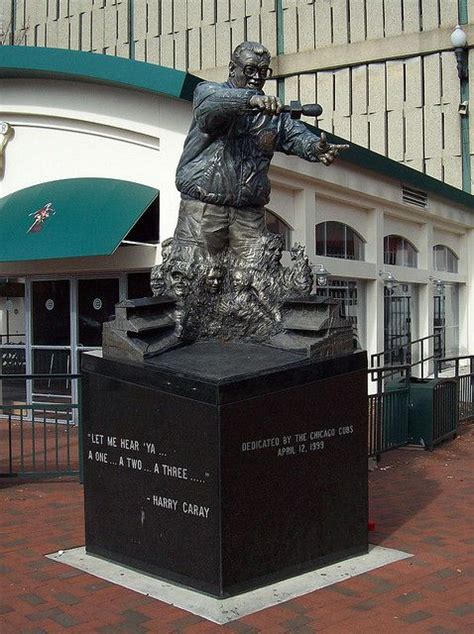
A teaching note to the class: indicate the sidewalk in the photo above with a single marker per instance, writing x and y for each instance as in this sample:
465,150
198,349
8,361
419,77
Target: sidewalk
421,502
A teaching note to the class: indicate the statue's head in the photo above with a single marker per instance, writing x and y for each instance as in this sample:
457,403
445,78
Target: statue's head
166,248
250,66
180,279
241,278
214,278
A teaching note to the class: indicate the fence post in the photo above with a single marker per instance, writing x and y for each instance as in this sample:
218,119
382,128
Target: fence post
79,429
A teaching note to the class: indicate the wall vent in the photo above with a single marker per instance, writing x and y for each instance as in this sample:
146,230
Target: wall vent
414,196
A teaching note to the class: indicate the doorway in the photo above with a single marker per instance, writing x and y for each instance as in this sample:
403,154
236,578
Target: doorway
397,325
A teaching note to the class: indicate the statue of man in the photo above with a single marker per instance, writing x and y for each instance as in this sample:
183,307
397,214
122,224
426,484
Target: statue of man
223,171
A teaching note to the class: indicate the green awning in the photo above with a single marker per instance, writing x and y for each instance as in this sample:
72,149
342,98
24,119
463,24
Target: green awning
75,217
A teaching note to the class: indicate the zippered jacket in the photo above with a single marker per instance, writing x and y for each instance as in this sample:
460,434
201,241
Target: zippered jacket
229,147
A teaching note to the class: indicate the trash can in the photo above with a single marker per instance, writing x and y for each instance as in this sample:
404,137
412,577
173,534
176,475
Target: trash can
394,432
433,411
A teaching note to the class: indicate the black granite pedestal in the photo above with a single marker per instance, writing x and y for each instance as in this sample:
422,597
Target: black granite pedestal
225,467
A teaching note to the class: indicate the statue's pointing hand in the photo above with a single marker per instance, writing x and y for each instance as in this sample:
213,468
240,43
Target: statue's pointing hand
328,152
266,103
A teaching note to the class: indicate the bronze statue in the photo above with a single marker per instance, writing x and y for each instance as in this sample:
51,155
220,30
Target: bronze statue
238,283
222,269
223,171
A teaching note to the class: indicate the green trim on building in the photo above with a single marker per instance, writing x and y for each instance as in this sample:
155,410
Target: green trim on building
56,63
47,63
463,18
280,33
88,217
362,157
463,12
280,46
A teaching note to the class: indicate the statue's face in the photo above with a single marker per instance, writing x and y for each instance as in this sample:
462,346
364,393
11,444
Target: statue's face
179,283
166,252
239,280
214,280
250,71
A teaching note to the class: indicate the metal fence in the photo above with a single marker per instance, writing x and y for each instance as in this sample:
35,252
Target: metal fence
462,369
388,410
37,439
445,410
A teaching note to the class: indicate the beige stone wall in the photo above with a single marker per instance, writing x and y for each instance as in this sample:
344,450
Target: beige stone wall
382,69
406,109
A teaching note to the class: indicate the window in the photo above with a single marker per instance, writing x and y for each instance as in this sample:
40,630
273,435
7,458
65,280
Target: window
399,251
444,259
277,225
96,302
337,240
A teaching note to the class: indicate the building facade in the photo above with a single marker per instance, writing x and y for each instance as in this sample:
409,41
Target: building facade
94,142
383,70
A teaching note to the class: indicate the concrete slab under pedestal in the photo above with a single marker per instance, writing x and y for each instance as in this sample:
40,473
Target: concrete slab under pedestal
223,611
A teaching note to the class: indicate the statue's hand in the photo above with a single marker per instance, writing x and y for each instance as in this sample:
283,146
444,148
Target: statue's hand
266,103
328,152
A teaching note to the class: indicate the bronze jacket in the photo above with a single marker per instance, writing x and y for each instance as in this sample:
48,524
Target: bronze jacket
228,149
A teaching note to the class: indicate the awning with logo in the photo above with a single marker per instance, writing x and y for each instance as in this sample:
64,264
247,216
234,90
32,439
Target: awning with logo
75,217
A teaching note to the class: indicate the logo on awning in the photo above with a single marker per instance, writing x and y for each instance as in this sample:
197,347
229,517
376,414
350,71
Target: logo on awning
40,216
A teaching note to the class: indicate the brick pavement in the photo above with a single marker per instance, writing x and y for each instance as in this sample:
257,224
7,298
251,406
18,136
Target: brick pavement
421,502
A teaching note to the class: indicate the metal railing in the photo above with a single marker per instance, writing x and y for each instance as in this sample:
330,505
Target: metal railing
388,411
462,369
39,439
445,411
422,352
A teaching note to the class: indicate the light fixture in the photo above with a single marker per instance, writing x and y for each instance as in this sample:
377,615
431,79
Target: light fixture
388,279
322,275
439,285
459,41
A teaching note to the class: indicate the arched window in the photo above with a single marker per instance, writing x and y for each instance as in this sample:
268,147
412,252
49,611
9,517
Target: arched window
444,259
337,240
277,225
400,251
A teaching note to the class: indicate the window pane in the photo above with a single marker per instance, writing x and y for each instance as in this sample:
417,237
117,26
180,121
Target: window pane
51,362
439,258
51,313
97,299
321,239
451,261
335,240
276,225
410,258
354,245
358,248
392,250
399,251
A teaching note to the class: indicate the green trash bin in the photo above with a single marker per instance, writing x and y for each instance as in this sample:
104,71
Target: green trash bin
433,411
394,431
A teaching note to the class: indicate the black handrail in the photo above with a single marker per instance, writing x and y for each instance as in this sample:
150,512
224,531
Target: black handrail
407,347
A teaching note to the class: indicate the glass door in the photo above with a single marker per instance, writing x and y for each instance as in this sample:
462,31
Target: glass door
446,320
12,343
397,325
50,339
96,299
